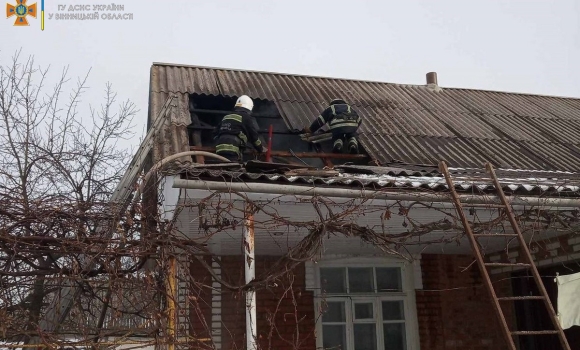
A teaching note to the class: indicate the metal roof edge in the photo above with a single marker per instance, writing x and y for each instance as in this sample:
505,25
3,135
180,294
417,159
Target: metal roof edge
516,191
358,80
149,98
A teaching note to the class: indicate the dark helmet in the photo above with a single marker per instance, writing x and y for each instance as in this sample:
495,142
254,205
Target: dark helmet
337,101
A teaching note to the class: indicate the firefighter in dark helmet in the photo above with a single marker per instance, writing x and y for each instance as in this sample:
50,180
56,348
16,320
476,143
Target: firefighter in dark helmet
343,122
236,130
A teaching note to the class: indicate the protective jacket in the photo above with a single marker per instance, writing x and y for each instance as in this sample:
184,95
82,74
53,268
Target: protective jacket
235,131
341,119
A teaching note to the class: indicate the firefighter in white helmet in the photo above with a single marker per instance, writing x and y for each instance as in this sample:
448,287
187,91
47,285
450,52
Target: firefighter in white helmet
236,130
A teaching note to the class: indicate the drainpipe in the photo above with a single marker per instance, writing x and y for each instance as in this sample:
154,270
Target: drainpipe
250,274
369,194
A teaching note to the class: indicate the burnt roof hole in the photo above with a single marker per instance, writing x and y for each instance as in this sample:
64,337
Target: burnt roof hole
208,110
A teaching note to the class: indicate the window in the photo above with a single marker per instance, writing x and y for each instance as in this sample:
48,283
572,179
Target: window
364,308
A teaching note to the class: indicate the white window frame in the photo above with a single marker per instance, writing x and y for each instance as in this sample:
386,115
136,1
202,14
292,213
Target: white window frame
407,295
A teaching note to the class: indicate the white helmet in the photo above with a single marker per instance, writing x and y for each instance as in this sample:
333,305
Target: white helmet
245,101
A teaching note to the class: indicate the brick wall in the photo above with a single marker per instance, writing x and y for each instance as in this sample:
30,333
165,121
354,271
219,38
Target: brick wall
454,310
285,313
545,252
200,301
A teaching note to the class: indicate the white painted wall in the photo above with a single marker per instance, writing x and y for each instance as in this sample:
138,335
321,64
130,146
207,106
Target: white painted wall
170,197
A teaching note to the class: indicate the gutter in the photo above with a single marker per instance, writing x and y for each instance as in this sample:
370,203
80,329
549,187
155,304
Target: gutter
481,200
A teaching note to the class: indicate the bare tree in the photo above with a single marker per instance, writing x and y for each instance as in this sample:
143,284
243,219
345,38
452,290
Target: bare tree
59,164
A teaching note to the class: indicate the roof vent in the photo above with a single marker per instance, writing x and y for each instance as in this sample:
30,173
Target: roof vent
432,78
432,82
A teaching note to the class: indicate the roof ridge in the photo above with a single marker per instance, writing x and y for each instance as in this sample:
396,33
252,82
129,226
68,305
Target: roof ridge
513,93
280,73
360,80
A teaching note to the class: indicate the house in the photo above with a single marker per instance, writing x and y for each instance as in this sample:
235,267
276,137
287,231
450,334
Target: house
380,259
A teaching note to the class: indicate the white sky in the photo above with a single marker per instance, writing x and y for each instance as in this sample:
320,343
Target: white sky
520,46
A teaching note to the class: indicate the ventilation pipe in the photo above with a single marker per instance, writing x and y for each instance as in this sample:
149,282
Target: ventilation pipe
432,83
432,78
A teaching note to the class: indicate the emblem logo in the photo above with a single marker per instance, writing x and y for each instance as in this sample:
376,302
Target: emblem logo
21,11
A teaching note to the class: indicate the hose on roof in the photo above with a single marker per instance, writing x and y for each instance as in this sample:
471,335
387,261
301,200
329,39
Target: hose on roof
169,159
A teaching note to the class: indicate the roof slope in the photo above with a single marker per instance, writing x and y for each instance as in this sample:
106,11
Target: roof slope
408,123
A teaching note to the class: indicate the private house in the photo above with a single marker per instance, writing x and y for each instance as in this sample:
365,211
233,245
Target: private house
392,267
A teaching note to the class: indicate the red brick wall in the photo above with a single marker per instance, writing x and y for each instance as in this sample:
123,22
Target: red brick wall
200,300
285,312
545,252
461,318
454,310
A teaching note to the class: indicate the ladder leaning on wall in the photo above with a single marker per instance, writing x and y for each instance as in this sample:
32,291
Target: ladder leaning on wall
528,264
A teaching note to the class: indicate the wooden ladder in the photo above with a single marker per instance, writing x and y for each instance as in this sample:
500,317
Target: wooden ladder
529,262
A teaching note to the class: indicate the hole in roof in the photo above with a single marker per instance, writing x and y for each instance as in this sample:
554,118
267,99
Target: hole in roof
206,112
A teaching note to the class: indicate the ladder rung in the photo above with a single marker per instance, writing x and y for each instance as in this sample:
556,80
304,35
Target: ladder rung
534,332
495,235
531,297
507,264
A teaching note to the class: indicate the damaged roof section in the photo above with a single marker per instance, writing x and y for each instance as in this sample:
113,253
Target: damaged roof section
285,144
401,123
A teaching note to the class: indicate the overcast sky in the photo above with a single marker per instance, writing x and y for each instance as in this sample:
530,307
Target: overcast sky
520,46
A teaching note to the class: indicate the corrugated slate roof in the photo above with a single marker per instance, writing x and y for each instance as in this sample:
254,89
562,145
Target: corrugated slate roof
399,179
408,123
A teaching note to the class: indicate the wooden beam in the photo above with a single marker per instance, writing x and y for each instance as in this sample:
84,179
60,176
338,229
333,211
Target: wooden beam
296,154
310,172
317,138
261,131
171,286
215,111
327,162
196,135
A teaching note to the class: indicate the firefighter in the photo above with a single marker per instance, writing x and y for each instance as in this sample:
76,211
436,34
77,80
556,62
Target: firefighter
236,130
343,122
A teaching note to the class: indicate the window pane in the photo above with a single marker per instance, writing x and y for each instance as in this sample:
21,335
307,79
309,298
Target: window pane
389,279
393,311
360,280
334,337
365,337
334,312
332,280
363,311
394,334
